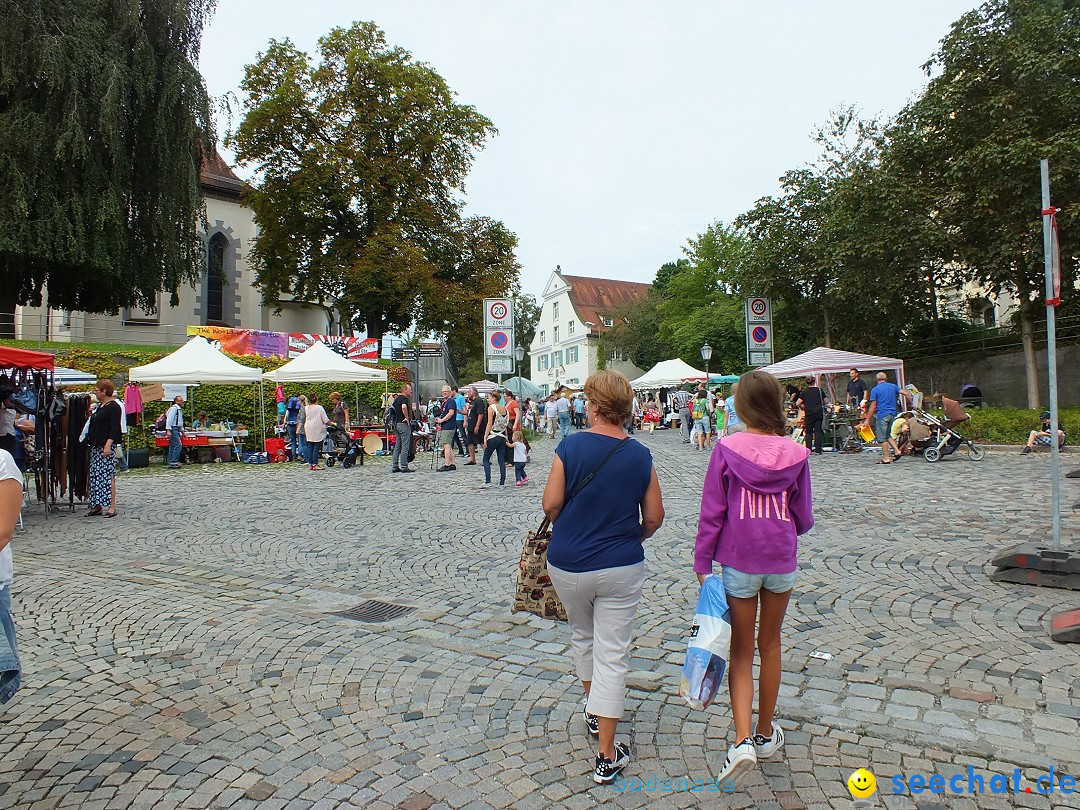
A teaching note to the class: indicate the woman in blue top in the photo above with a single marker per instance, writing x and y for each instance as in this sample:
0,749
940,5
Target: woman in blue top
596,558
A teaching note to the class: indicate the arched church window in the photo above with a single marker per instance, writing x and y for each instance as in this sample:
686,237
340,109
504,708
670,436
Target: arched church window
215,279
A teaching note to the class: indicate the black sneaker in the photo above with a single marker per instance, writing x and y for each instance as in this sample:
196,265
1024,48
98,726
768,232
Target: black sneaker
395,470
407,469
591,721
605,771
1073,474
1025,451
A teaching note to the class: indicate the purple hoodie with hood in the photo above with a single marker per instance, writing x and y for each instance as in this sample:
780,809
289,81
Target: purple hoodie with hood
755,504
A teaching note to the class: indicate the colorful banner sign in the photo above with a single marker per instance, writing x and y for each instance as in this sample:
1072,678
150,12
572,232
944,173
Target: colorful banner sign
244,341
281,344
351,348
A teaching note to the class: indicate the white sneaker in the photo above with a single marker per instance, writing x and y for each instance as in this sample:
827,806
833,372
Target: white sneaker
767,746
741,759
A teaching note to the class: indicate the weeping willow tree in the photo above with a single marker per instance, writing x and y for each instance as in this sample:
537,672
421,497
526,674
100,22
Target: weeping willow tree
104,119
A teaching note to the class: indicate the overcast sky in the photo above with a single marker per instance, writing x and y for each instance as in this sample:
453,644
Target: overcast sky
625,127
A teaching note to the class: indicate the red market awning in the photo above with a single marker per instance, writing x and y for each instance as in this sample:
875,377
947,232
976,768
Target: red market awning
25,359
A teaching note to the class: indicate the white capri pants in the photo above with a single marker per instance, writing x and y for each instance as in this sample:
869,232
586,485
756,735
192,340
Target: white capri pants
600,606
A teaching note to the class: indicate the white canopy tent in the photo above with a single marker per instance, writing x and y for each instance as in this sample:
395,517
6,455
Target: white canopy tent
667,374
833,361
195,362
483,387
320,363
71,376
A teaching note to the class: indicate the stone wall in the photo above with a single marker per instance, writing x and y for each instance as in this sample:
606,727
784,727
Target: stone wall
1001,377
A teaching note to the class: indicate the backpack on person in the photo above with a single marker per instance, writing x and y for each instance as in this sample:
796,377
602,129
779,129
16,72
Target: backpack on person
501,422
293,407
159,423
699,408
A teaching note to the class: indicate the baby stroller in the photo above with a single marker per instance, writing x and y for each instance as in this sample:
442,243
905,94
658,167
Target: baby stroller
343,449
937,438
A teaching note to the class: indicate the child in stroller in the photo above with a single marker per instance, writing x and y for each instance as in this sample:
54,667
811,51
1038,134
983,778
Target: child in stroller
936,438
342,447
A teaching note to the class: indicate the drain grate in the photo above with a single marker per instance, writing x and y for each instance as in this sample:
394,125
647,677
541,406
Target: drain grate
374,611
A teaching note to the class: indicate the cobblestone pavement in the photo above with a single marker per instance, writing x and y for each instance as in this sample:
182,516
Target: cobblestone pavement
186,654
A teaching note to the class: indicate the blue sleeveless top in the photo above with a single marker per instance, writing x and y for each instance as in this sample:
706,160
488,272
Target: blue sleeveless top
601,526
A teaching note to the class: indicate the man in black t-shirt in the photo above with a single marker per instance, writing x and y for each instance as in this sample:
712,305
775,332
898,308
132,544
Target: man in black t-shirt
812,403
401,416
475,423
856,391
447,425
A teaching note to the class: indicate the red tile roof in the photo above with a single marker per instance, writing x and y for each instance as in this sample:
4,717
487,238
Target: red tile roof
597,298
215,175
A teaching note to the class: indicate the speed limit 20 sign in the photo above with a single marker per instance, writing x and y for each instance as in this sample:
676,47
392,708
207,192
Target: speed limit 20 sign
498,313
758,310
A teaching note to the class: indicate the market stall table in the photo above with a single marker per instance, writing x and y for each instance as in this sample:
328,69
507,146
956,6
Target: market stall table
221,444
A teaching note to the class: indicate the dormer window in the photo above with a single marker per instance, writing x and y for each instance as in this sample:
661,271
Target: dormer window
607,321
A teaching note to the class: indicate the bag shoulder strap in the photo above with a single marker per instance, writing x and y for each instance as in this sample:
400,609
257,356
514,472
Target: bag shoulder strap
584,481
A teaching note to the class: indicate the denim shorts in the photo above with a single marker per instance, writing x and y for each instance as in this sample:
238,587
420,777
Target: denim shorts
744,586
703,426
883,427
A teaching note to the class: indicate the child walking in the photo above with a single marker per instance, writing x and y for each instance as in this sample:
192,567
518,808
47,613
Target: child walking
521,456
754,505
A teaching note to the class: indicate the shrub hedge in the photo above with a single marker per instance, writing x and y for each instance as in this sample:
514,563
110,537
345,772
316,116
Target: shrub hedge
235,402
1012,425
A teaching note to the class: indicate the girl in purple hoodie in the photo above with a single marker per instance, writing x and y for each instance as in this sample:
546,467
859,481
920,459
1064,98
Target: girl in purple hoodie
754,505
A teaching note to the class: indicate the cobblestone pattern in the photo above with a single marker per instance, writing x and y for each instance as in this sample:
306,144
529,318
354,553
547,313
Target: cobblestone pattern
183,654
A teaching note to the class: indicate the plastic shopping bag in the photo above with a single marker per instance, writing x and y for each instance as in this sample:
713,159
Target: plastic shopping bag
708,647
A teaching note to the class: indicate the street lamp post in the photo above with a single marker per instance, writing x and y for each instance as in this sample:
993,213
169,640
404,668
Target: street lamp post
519,353
706,355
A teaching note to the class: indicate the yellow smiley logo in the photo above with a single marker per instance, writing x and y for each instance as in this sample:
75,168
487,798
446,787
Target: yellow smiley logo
862,784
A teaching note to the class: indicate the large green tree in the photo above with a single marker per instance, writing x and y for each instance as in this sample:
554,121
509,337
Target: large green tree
104,119
361,157
698,306
1004,93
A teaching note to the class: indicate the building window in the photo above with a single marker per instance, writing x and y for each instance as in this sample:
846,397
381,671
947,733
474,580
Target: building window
614,354
607,321
555,315
137,315
551,359
569,327
572,355
555,332
543,337
559,357
542,363
215,280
